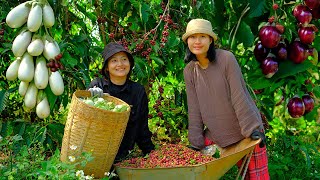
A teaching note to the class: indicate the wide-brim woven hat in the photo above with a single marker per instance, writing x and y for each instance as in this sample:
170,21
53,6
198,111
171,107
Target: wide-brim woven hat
199,26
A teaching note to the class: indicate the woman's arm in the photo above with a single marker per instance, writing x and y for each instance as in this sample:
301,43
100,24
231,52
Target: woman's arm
195,128
144,135
245,108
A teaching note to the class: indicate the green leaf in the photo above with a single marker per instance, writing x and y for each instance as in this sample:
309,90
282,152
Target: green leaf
86,12
316,91
4,99
51,97
245,35
288,68
80,38
69,60
144,10
260,83
139,68
257,8
173,40
156,59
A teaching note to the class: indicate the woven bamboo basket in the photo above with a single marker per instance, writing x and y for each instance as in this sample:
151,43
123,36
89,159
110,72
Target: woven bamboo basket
94,130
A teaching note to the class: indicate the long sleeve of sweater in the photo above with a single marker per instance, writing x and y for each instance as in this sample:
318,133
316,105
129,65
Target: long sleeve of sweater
245,108
195,128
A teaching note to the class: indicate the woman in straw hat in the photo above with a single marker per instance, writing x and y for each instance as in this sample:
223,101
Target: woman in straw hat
220,107
117,66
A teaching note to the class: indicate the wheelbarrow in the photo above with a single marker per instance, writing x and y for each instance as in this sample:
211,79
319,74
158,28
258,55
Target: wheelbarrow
208,171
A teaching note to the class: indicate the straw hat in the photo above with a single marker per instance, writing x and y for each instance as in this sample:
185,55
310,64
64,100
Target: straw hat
199,26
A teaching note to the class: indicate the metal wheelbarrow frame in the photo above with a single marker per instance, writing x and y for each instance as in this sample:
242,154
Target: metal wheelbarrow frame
207,171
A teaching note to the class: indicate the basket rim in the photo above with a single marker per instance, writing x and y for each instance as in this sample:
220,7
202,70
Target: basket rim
105,95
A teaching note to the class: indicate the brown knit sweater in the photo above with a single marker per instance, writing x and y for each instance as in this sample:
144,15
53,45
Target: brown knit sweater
219,102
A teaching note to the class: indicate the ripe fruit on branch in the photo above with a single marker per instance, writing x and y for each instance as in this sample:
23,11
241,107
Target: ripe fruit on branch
303,14
312,4
260,52
275,6
280,51
315,13
269,36
296,107
58,57
308,103
298,52
269,67
307,34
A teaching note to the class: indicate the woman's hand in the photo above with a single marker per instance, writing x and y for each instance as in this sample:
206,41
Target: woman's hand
256,134
96,91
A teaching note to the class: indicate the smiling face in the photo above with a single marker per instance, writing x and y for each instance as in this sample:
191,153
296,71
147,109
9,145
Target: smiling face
118,66
199,44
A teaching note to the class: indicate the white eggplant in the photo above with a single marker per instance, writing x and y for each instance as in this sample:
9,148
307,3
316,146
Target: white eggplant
35,17
41,73
36,46
51,49
43,108
23,87
18,15
48,16
21,43
30,98
26,68
56,83
12,71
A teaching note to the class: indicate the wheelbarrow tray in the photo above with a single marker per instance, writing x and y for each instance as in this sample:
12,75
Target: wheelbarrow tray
210,170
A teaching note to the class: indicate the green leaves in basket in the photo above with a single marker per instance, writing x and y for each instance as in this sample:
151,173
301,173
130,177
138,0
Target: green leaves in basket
104,104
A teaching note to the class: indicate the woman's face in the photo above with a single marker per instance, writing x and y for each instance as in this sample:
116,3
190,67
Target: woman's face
118,66
199,44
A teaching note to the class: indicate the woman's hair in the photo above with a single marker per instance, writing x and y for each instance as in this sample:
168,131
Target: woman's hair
211,54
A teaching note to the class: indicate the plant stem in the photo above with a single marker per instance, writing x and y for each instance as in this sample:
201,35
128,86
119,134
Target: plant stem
247,8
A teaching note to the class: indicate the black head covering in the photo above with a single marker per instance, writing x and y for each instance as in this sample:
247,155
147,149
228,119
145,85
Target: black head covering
111,49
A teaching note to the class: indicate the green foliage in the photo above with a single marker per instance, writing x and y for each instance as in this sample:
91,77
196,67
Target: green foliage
3,100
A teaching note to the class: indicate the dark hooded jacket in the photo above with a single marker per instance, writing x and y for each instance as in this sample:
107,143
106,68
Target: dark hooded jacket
134,94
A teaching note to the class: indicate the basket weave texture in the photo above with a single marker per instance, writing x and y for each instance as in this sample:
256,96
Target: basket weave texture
93,130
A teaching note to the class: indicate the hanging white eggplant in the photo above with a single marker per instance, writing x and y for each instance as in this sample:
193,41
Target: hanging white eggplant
48,16
43,108
12,71
26,68
18,15
23,87
51,48
36,46
56,83
35,17
21,43
41,73
30,98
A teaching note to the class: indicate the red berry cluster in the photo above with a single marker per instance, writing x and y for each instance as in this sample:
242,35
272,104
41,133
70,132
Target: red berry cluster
2,32
101,20
169,155
55,64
